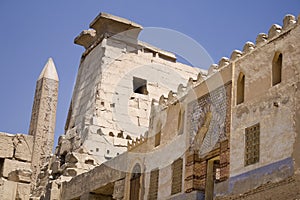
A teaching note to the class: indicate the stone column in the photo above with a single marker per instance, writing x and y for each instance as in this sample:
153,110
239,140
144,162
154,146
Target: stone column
43,117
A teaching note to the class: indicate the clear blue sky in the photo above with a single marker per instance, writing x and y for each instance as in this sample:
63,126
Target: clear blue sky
32,31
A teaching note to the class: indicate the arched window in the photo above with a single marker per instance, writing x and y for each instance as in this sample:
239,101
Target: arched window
135,182
180,124
276,68
179,120
157,137
240,93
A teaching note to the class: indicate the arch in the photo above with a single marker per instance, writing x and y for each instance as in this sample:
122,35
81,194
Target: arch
276,68
135,182
212,173
157,137
240,92
180,122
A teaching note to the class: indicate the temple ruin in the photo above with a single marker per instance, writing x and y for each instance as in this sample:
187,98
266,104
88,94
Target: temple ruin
143,126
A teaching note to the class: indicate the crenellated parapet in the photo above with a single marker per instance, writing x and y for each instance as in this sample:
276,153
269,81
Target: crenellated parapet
275,31
136,142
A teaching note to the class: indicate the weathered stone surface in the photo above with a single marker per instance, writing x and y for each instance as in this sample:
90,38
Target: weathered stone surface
92,180
65,147
53,190
23,191
86,38
95,113
119,189
55,167
7,189
212,69
261,38
13,165
71,158
23,147
289,21
43,117
223,62
6,145
20,175
96,97
248,47
236,54
274,30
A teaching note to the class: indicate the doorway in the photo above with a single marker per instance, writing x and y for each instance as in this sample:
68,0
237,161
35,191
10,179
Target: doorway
212,174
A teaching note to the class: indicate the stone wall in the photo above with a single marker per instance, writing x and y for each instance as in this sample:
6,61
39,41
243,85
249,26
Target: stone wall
107,110
285,189
15,166
273,107
200,122
43,119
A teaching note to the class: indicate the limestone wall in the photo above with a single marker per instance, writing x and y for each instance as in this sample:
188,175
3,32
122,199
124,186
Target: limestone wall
107,110
15,166
273,107
212,129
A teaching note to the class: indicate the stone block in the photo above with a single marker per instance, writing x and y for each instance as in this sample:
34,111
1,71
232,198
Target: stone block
71,158
71,172
274,30
65,146
120,142
144,122
6,145
55,191
7,189
23,191
13,165
55,167
20,175
23,147
261,38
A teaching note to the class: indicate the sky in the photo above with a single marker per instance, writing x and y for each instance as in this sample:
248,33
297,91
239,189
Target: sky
34,30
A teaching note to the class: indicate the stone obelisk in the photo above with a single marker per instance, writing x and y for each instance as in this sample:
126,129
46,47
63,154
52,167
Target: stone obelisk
43,117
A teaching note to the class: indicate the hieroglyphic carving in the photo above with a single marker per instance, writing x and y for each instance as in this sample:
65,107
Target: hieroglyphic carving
43,122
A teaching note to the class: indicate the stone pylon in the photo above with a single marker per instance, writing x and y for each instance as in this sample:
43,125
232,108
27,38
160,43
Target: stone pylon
43,117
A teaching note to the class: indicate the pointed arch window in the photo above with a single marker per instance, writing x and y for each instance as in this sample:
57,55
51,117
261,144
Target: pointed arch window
180,125
240,94
135,182
276,68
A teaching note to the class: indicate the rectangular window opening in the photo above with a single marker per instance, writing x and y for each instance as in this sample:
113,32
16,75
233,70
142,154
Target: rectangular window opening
252,140
1,166
153,188
140,86
277,69
177,166
240,94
